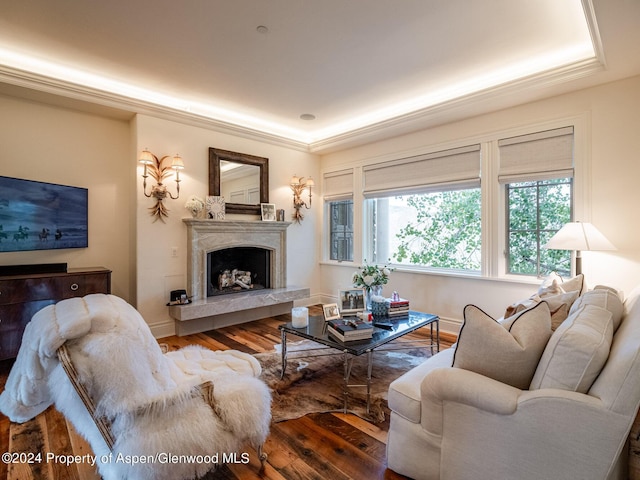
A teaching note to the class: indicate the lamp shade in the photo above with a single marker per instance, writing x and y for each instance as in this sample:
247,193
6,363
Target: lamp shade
177,163
310,182
579,236
146,157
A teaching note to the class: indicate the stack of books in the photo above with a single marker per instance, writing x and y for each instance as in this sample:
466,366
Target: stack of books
398,307
348,330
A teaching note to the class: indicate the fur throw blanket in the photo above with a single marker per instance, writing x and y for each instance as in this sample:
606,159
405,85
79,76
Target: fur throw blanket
145,394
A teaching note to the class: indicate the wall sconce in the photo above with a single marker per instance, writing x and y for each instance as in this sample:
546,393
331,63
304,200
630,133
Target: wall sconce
154,168
298,184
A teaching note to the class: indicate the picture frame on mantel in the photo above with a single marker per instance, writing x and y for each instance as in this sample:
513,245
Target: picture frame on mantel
215,207
268,212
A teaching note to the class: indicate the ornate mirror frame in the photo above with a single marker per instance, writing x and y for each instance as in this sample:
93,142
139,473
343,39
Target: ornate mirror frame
216,155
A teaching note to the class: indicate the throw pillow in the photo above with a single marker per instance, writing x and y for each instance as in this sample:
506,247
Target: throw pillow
558,294
577,351
508,352
575,284
603,297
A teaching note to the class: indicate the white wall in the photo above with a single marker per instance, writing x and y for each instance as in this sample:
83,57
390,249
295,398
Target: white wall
56,145
613,156
157,271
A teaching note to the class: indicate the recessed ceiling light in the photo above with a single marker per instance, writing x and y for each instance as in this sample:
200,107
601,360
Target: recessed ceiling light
308,116
262,29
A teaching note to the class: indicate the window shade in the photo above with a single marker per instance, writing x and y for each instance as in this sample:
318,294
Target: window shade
338,184
537,156
455,168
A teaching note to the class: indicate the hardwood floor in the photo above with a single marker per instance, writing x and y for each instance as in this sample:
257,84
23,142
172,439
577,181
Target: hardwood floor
317,446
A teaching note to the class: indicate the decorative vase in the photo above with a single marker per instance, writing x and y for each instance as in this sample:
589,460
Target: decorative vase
372,291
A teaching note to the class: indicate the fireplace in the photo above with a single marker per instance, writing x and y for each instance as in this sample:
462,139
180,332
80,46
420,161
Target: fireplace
216,246
245,246
238,269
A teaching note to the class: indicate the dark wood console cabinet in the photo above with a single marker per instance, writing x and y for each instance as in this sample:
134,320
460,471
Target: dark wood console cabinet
21,296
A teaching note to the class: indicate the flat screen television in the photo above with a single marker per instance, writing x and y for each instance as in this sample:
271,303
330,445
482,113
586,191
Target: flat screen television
42,216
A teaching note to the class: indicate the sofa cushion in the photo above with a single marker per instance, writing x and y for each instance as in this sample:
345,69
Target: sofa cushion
404,392
507,352
603,297
577,351
559,294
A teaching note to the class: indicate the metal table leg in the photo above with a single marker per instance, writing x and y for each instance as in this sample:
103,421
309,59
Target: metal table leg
369,369
283,336
347,374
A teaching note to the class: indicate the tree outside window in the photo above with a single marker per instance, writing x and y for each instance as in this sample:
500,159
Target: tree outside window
436,229
536,211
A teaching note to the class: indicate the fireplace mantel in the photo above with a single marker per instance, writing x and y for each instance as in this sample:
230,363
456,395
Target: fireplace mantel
204,236
205,313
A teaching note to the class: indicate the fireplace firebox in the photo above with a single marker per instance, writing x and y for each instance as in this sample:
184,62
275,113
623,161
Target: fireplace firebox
238,269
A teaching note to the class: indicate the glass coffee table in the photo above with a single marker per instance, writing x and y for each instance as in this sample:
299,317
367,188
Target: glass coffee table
399,326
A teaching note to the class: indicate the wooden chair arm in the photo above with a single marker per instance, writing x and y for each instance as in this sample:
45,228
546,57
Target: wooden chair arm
101,423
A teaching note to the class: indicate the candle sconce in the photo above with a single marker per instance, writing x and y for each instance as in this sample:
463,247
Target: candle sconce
298,185
158,170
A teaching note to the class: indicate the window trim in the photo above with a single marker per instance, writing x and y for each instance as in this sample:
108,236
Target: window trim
327,239
493,203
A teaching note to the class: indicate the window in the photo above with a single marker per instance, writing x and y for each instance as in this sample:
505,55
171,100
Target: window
341,230
430,211
536,211
537,172
439,229
425,210
337,188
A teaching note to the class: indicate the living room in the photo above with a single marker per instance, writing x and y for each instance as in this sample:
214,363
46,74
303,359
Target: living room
77,136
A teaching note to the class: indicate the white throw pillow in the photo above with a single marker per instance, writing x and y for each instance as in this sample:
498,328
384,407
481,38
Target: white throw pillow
577,351
508,352
603,297
559,301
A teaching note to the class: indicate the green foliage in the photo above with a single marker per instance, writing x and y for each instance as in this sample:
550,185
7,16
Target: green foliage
445,232
446,229
537,210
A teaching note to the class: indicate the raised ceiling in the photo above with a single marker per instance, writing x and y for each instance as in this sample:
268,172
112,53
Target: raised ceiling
361,67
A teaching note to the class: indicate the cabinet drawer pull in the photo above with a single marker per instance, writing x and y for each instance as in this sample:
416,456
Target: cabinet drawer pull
74,286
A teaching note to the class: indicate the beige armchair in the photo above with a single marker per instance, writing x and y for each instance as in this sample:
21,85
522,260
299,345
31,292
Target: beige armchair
452,423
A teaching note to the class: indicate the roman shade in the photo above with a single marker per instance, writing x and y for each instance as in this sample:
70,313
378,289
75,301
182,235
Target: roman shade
537,156
338,185
444,170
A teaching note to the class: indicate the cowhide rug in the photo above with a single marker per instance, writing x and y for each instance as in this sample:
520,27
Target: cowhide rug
315,384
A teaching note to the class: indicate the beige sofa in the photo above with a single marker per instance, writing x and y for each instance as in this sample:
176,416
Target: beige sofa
453,423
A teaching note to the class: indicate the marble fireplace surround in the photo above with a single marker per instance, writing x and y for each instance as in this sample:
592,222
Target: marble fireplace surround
205,313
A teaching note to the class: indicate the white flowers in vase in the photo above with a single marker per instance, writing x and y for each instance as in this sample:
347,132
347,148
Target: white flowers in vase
195,205
371,275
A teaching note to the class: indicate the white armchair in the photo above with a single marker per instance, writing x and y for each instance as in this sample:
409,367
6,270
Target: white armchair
451,423
96,360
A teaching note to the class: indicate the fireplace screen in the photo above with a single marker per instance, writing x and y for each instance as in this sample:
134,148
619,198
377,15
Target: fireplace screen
238,269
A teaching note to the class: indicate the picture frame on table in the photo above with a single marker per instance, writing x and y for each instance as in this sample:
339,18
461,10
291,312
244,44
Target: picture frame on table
330,311
351,300
268,211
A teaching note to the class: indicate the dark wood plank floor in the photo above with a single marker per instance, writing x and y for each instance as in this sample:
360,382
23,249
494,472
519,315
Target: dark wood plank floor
317,446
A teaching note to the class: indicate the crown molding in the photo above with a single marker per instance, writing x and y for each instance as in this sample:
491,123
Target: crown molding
87,94
494,98
501,96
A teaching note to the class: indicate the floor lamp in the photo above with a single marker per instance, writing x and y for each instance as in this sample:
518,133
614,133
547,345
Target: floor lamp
579,236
